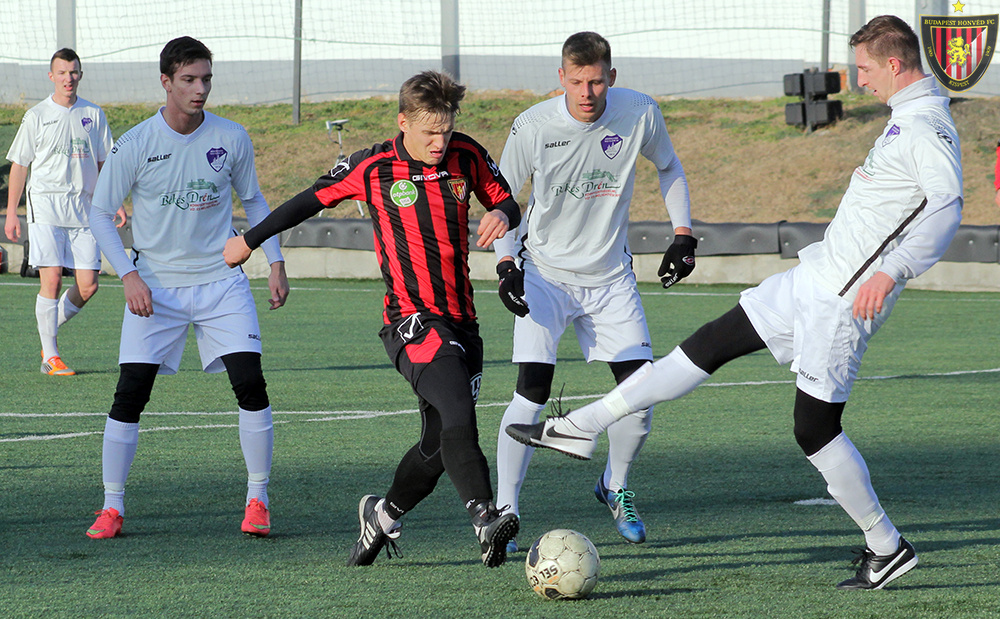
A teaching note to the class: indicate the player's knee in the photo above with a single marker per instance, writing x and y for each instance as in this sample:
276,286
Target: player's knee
534,381
624,369
720,341
87,290
247,379
816,422
135,383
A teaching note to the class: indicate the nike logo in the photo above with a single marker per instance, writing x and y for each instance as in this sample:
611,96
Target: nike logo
877,576
260,526
553,433
95,531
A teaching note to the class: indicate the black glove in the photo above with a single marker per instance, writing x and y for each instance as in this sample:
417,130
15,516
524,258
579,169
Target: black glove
678,261
512,287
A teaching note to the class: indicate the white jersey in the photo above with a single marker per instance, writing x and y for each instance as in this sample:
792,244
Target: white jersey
916,157
63,147
181,188
582,175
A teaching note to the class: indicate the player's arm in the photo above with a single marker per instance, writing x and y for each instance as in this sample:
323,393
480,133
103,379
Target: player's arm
679,259
257,210
15,188
922,247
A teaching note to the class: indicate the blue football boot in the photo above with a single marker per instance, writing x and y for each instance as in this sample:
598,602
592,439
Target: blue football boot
627,519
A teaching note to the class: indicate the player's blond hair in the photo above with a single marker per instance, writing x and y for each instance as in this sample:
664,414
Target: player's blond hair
888,36
430,93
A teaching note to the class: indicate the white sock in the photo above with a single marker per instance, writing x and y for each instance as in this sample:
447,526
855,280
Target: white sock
625,440
47,316
120,441
513,457
257,443
848,482
384,520
669,378
66,309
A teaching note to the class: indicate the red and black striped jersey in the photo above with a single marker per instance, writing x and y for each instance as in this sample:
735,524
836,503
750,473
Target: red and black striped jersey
420,216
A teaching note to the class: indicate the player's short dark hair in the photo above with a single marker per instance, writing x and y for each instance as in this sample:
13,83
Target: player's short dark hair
180,52
888,36
64,54
586,48
430,92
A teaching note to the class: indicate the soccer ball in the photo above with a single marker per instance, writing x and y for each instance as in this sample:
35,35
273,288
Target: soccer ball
562,564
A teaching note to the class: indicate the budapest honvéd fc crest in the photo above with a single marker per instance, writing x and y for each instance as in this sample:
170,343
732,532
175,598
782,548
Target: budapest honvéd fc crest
958,49
460,189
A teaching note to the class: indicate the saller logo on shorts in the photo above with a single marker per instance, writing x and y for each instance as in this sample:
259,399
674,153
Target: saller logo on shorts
403,193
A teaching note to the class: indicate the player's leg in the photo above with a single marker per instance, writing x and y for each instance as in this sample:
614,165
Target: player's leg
824,381
415,478
228,336
121,436
534,383
612,328
47,253
256,436
671,377
440,383
626,438
536,341
86,264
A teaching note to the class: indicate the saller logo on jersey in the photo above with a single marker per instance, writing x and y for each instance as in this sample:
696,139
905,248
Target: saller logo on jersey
403,193
216,158
959,49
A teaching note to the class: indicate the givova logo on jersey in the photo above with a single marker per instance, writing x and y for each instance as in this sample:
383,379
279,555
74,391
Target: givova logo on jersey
196,196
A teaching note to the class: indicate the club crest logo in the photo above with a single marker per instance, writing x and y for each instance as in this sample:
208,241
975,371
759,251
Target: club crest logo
890,135
460,189
958,49
87,123
217,158
611,145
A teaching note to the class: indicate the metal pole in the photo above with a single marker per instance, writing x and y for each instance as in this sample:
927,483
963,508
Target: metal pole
449,38
297,64
855,20
824,63
66,23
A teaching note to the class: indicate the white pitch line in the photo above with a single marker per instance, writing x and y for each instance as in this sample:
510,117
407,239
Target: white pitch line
350,415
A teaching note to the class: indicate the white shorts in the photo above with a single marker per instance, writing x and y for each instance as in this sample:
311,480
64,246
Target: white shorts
56,246
812,328
224,319
609,321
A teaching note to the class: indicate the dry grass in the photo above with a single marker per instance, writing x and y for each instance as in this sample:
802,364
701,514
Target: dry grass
743,163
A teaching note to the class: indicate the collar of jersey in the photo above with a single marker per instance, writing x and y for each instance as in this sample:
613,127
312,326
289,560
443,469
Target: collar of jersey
180,137
914,92
577,124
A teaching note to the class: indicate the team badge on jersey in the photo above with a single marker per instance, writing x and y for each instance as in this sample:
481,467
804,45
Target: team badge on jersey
890,135
612,145
460,189
87,123
217,158
959,49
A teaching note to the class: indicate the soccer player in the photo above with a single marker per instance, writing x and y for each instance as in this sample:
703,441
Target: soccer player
181,167
418,187
899,214
65,140
579,150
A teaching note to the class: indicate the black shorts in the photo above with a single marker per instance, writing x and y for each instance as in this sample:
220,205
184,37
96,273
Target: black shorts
417,340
